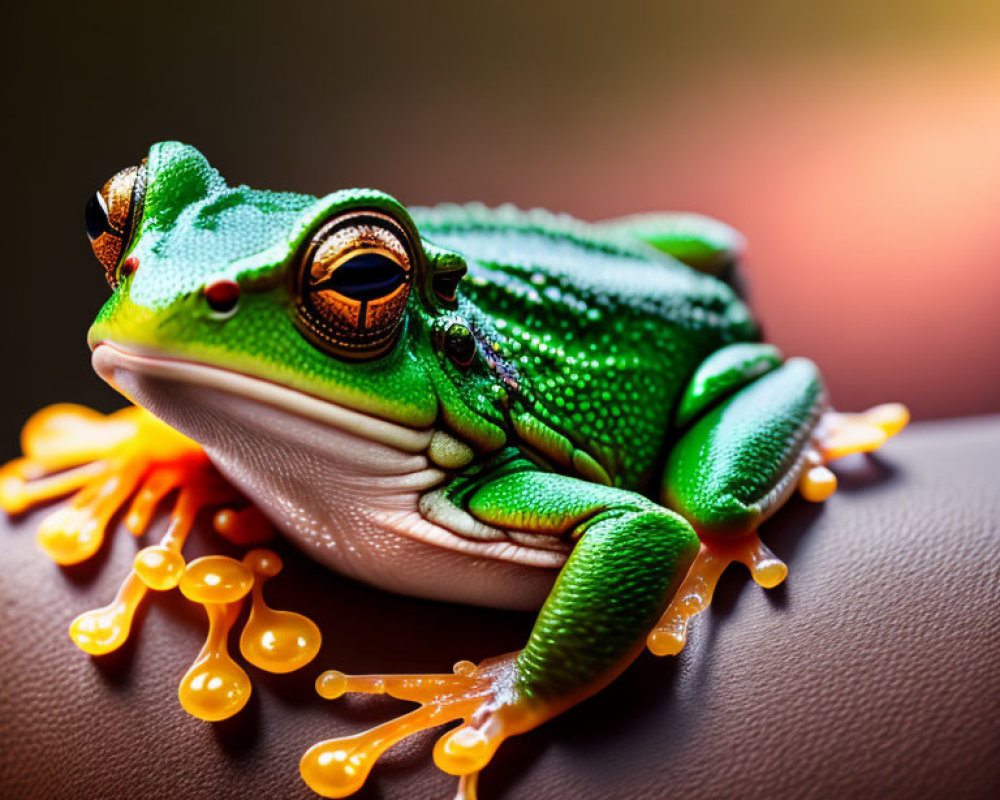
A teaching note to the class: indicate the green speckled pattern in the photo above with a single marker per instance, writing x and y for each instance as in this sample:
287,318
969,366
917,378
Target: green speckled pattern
601,335
609,594
586,339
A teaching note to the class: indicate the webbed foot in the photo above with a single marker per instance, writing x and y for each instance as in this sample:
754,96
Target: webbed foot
669,635
739,463
838,435
486,697
104,461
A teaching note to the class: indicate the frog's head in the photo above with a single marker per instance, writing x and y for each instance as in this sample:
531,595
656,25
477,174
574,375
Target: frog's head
334,297
304,342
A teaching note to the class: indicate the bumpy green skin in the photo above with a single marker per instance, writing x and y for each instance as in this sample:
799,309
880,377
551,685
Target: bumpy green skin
601,335
630,556
587,341
726,473
605,600
724,372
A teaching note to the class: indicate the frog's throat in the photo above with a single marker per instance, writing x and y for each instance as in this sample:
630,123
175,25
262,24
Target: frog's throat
344,486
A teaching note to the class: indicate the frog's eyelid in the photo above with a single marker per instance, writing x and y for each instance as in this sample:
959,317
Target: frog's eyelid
343,242
137,204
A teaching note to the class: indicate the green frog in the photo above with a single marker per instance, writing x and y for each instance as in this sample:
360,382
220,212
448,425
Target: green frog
508,408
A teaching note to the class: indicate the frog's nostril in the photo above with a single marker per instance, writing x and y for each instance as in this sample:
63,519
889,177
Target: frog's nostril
222,296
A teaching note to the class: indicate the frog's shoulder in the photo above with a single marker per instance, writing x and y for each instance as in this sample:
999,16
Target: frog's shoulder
477,221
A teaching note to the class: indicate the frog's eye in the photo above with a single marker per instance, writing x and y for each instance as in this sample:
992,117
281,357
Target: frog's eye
112,215
353,283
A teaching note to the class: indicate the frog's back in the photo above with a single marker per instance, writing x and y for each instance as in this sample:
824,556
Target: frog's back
603,330
557,253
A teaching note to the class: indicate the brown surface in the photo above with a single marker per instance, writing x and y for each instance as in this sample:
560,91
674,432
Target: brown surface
874,672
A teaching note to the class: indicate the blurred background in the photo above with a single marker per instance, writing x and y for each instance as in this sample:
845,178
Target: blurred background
856,144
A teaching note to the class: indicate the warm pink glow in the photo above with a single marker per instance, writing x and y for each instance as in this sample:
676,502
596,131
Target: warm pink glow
870,195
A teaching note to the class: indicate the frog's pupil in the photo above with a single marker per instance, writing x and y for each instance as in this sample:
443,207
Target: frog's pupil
366,276
96,216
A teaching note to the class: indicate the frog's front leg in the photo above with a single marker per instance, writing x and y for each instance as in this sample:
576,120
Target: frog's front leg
740,462
629,556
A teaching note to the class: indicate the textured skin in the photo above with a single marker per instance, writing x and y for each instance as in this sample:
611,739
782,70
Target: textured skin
605,600
584,339
629,558
722,373
739,461
580,320
877,679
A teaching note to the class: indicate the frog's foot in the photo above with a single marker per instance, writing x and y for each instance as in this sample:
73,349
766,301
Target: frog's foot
486,697
835,436
694,595
106,460
159,567
839,435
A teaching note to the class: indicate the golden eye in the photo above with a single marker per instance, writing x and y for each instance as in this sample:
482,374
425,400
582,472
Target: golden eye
112,215
353,284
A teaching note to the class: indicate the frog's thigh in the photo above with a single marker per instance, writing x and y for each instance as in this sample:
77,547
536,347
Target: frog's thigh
699,241
727,369
729,472
739,461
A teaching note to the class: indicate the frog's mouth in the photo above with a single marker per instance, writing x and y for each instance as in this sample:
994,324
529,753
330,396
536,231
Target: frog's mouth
344,485
110,359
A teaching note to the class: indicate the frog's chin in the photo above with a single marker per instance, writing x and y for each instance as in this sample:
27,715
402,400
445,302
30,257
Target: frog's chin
344,486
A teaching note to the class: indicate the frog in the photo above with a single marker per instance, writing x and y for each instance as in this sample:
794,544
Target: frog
505,408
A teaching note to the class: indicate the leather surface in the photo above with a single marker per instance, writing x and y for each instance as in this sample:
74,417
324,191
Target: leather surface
873,672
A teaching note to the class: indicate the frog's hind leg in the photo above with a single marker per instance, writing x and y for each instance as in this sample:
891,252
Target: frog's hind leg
735,466
740,462
701,242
